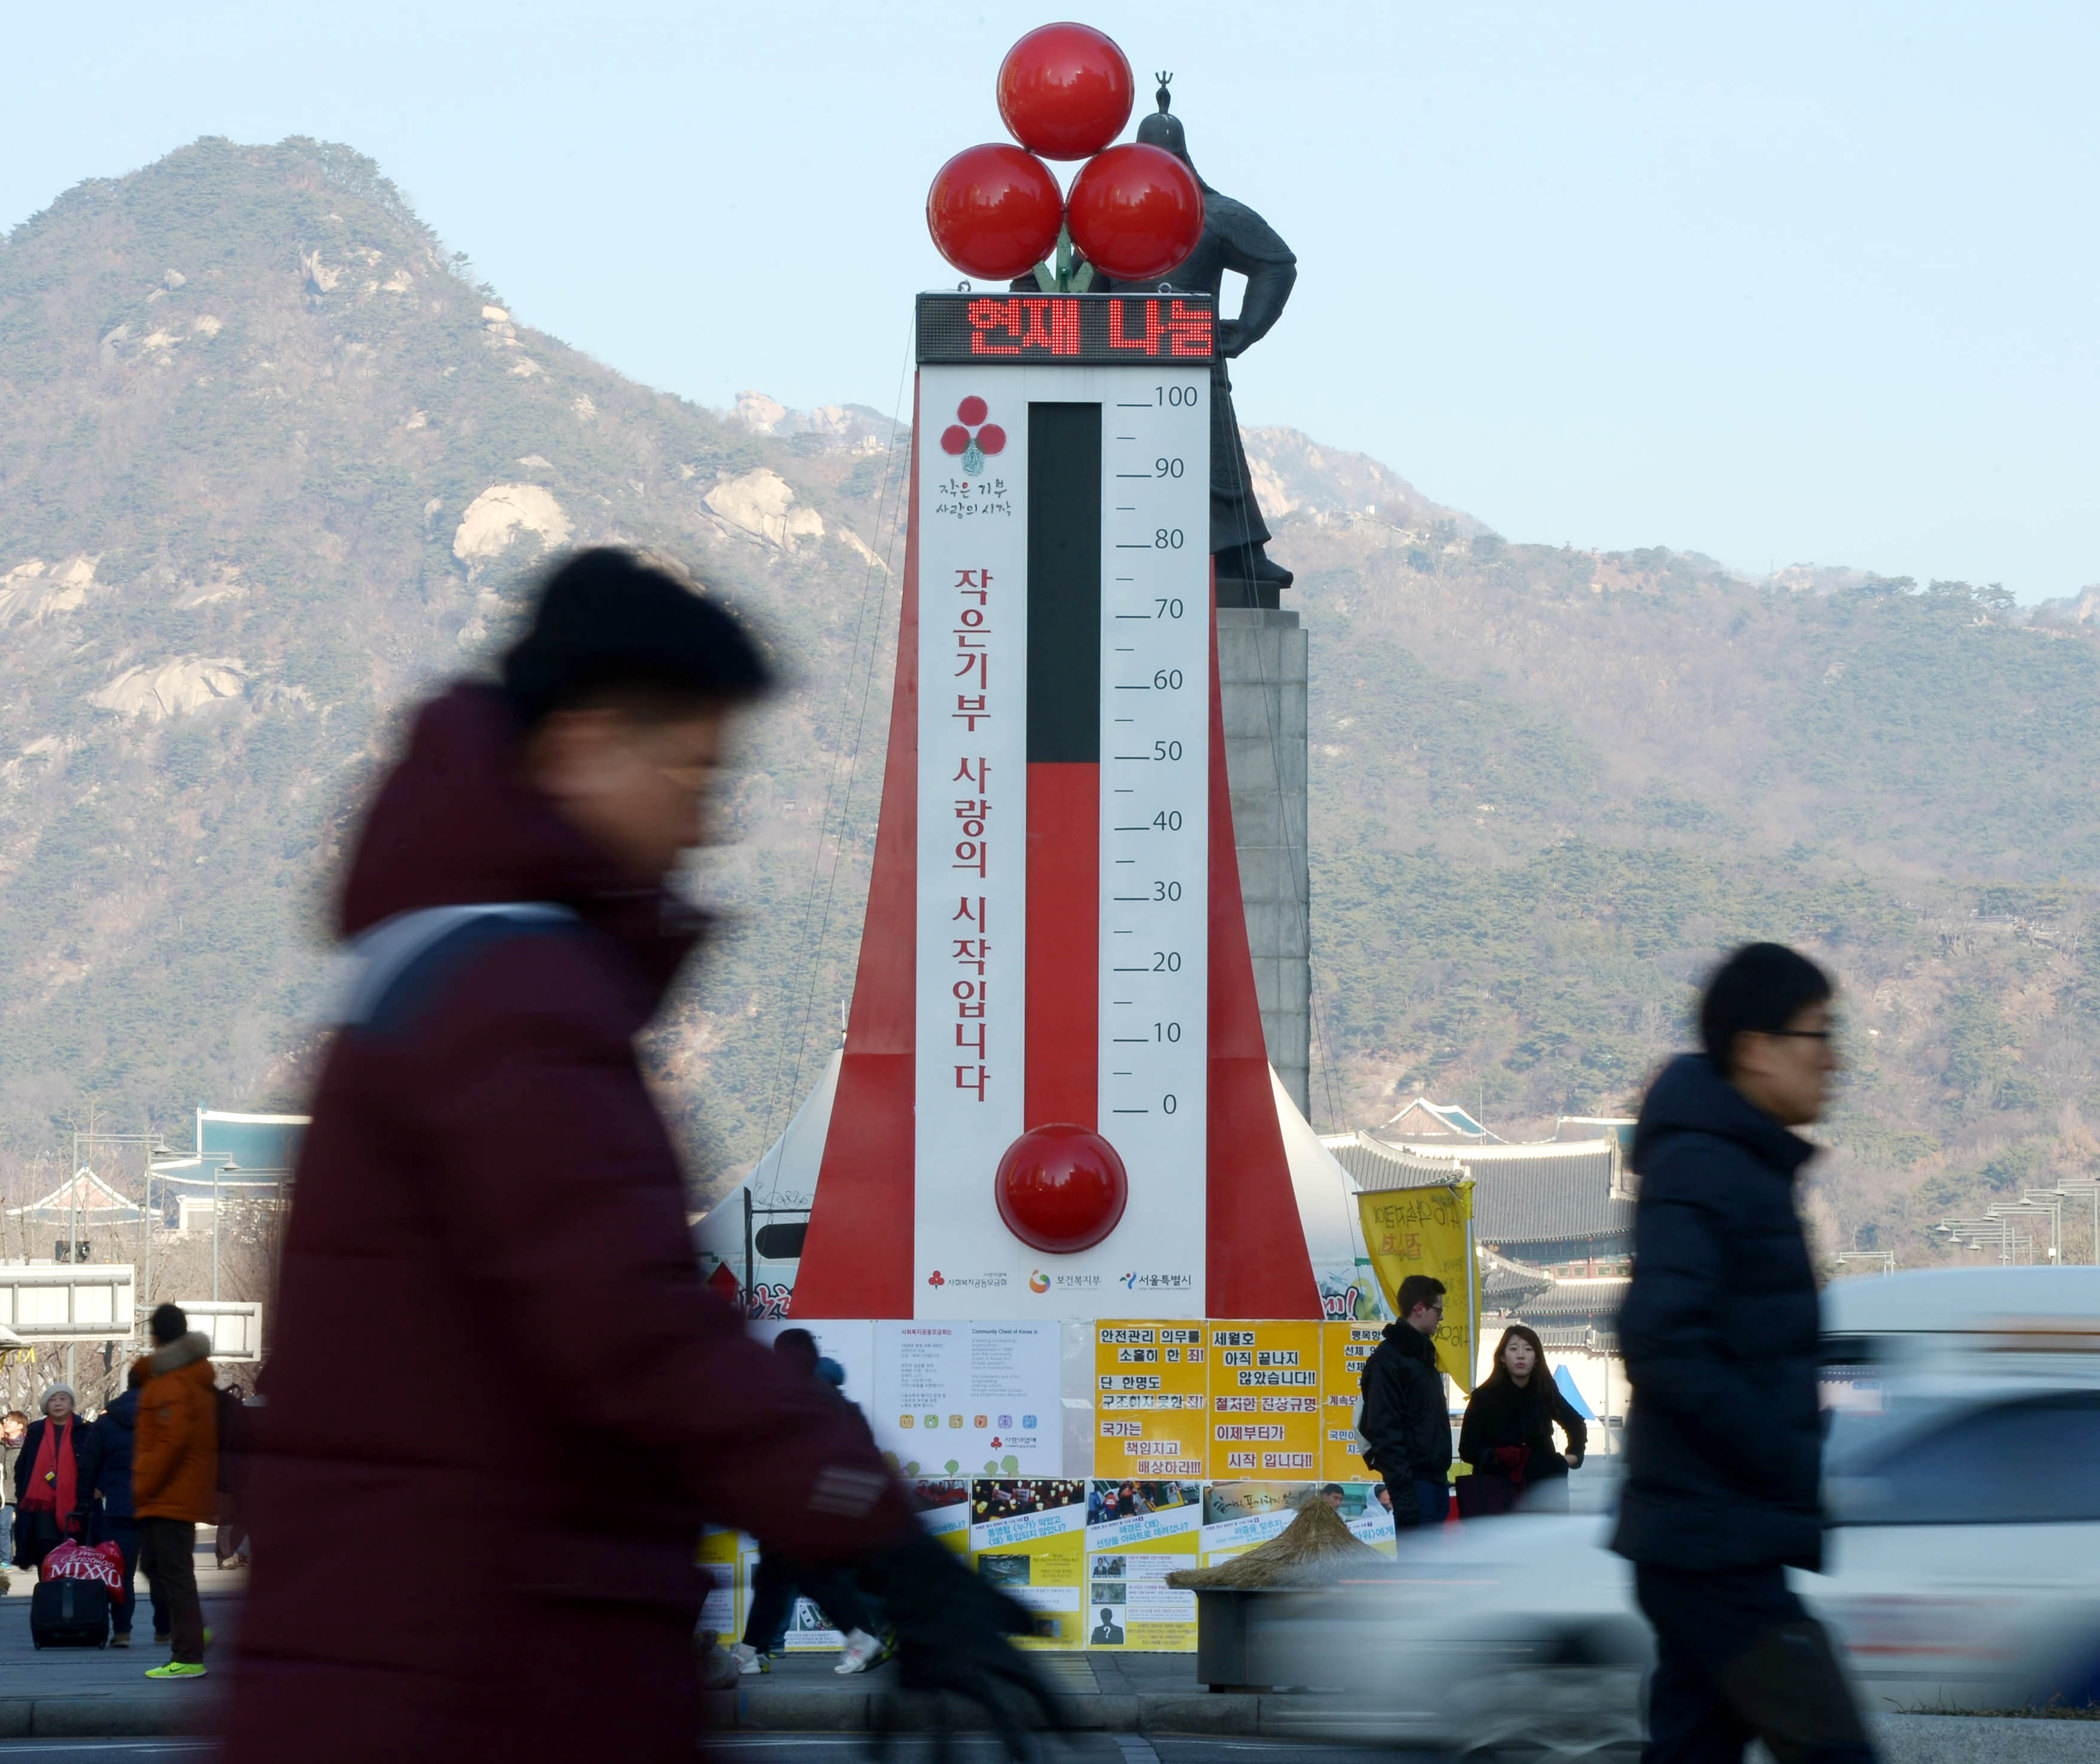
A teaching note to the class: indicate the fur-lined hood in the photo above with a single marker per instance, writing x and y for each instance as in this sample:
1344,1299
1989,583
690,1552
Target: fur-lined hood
187,1351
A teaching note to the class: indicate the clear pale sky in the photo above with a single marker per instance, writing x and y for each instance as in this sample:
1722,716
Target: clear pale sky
1788,284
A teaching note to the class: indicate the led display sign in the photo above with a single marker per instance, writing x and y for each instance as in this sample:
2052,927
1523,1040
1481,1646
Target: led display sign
1105,330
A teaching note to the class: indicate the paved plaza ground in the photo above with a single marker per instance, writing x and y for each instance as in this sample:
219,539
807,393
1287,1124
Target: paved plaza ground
82,1704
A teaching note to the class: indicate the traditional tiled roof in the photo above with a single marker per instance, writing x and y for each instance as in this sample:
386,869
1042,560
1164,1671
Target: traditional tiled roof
1566,1300
1548,1201
1506,1284
84,1197
1439,1117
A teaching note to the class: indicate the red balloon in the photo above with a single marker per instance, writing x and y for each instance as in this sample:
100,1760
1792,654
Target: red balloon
1064,90
1062,1188
994,211
1136,211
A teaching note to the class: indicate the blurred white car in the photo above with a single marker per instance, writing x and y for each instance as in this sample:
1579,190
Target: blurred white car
1962,1475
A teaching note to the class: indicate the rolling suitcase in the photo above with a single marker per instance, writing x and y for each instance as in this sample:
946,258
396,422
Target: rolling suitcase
69,1613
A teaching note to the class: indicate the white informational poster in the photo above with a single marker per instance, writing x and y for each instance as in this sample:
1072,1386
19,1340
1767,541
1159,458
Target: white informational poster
849,1343
973,1398
1235,1538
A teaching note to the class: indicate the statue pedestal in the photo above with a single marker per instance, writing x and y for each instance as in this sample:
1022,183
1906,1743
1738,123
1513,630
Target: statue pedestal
1261,677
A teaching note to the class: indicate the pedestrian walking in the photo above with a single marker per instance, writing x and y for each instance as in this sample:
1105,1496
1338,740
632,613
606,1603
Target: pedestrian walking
777,1579
114,1518
1719,1330
13,1425
54,1477
174,1477
1507,1433
1406,1424
486,1177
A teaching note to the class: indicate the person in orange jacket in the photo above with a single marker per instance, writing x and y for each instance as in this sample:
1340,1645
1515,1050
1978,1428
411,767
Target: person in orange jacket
174,1477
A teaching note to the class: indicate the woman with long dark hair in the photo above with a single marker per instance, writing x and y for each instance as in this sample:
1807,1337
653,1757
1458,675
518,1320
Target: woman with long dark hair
1507,1436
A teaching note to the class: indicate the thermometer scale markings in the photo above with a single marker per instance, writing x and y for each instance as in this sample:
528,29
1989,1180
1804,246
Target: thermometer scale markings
1164,655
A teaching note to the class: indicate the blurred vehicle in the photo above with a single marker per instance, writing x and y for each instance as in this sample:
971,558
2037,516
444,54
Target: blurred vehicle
1963,1478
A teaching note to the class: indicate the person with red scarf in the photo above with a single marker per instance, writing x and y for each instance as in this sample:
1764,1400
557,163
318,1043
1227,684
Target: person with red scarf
53,1478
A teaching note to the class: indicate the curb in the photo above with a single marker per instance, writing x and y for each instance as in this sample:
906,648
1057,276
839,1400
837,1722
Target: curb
1900,1739
172,1713
765,1708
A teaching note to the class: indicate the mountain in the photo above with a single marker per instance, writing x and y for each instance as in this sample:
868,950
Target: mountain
271,461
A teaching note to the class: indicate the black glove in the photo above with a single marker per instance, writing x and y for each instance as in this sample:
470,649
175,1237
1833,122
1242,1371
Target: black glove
951,1633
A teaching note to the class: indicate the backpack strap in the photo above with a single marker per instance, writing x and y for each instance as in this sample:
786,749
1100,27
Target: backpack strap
401,962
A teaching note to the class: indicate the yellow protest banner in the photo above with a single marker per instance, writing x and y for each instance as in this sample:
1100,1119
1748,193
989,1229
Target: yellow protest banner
1151,1381
1344,1349
1265,1400
1028,1538
1430,1231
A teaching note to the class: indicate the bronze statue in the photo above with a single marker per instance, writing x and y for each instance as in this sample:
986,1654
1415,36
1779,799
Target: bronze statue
1235,238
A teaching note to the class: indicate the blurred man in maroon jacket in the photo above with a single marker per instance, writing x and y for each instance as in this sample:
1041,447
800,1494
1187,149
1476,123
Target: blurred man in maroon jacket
488,1211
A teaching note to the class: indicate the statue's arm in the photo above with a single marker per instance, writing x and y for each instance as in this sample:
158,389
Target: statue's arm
1268,288
1253,248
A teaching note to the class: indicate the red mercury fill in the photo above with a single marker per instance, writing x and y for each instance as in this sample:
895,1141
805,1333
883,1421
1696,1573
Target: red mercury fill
1061,1188
994,211
1136,211
1064,90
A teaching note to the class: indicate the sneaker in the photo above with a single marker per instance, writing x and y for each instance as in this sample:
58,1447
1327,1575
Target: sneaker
120,1638
862,1651
749,1659
175,1668
161,1638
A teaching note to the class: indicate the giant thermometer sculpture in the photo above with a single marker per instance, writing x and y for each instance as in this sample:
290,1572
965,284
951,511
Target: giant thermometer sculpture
1054,1098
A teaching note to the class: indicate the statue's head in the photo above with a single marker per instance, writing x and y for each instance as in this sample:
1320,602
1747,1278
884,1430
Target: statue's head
1163,128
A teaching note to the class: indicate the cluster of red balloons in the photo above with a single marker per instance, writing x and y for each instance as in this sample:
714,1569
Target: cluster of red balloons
1065,92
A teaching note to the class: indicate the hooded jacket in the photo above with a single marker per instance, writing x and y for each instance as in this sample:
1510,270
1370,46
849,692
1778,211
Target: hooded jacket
1406,1424
488,1229
174,1454
1719,1329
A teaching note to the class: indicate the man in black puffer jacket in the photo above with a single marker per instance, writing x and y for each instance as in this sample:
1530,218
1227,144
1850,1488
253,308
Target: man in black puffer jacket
1725,1444
1407,1424
114,1519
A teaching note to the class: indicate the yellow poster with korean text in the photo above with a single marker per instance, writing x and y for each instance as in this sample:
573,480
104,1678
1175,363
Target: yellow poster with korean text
1265,1400
944,1512
1429,1231
1151,1383
1344,1349
1239,1515
1138,1532
1028,1537
722,1608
